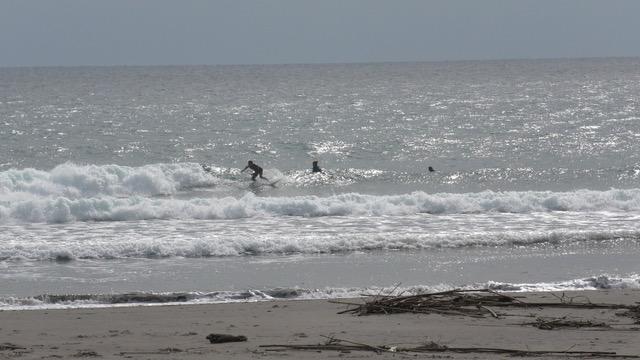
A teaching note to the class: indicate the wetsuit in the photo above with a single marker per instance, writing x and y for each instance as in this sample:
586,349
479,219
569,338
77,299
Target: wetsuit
316,168
257,171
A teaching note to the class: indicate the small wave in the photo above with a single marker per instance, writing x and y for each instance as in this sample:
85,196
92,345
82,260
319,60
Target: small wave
49,301
600,282
120,246
149,298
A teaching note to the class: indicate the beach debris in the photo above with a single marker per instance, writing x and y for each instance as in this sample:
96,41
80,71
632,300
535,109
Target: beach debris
224,338
342,345
86,353
563,322
169,350
632,312
473,303
10,346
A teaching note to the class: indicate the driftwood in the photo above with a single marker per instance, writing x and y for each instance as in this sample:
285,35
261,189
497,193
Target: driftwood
563,322
633,312
335,344
475,303
225,338
454,302
86,353
168,350
10,346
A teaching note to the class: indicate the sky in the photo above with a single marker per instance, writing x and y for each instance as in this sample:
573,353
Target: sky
176,32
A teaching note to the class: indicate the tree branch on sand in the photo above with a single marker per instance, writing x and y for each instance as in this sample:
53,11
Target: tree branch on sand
335,344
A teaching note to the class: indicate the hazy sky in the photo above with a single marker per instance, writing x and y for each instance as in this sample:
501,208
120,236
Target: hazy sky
138,32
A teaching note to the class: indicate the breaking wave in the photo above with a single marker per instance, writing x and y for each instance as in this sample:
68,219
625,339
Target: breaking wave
61,209
70,193
123,245
72,181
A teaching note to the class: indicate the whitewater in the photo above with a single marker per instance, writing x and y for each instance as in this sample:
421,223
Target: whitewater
123,186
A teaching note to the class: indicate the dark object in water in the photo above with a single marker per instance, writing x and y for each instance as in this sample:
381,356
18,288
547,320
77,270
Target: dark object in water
431,169
224,338
315,167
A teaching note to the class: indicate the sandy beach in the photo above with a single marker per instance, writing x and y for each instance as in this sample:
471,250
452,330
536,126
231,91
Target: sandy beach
179,332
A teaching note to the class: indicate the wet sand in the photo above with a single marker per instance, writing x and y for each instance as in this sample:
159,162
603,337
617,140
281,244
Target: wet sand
179,332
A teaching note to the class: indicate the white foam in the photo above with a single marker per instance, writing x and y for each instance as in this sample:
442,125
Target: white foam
150,242
71,192
82,181
597,282
74,206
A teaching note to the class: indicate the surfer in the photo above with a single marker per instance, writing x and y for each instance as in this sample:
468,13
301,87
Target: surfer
316,168
431,169
257,170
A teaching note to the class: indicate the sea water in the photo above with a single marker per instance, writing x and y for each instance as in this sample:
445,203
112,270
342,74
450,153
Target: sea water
104,199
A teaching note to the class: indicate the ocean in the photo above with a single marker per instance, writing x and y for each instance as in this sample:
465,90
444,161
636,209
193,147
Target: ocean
122,186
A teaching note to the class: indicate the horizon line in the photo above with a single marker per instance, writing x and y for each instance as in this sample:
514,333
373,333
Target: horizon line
515,59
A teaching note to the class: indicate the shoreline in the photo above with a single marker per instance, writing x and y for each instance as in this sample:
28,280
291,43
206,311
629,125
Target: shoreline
180,331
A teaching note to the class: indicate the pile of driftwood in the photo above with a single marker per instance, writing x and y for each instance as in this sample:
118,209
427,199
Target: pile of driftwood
474,303
478,303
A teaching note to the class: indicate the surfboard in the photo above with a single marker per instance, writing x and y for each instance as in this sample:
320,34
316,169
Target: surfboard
255,184
273,183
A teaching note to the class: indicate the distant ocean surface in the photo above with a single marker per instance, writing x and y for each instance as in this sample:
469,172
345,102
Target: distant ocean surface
104,200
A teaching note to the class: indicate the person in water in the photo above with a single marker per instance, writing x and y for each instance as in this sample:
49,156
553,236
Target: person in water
257,171
431,169
316,168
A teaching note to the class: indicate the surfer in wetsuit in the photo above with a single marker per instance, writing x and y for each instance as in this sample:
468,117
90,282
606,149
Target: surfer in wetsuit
316,168
257,171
